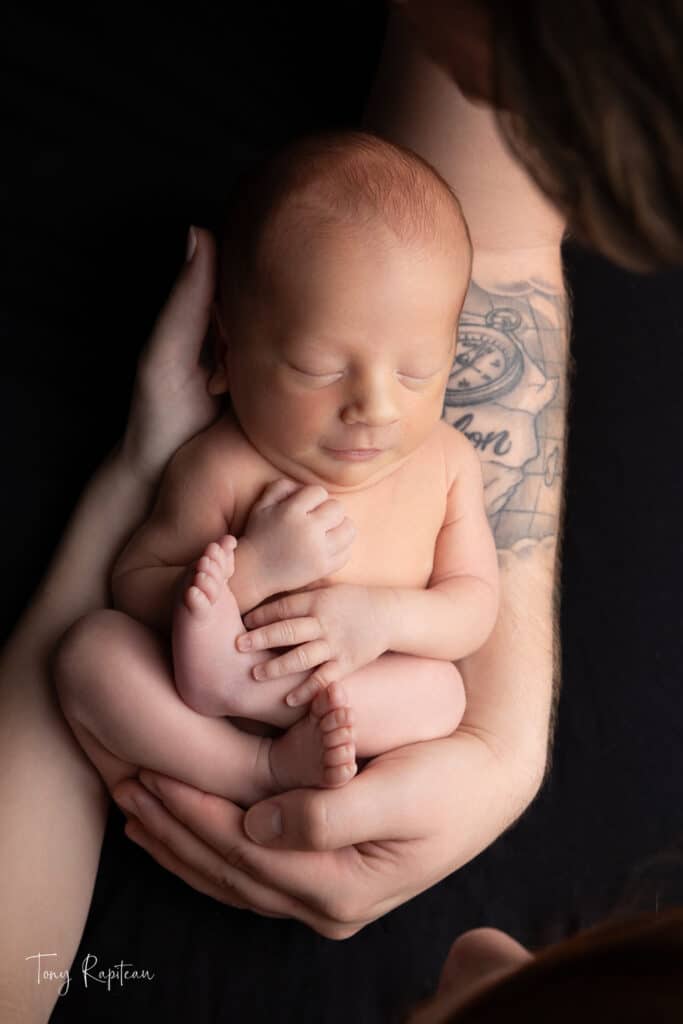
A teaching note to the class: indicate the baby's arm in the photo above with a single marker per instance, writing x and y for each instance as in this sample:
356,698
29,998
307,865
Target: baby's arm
455,615
349,626
195,505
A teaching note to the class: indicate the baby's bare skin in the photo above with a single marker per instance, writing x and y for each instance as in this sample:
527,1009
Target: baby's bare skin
354,353
398,521
396,700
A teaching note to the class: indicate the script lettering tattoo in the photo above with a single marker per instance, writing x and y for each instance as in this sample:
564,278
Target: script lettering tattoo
507,394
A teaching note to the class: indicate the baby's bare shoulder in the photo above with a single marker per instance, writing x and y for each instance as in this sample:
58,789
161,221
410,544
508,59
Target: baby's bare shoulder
459,456
219,453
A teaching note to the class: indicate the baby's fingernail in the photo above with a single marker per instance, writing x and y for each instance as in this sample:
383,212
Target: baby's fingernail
191,244
244,642
293,700
263,823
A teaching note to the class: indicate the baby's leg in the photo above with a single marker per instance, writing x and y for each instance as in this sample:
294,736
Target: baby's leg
396,700
116,689
400,699
211,675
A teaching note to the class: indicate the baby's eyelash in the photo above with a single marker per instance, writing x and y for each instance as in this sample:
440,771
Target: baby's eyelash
307,373
412,376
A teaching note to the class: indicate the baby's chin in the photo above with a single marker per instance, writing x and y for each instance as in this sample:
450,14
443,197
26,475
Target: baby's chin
345,472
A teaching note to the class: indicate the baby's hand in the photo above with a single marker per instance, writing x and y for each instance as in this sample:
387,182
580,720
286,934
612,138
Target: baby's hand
343,626
300,534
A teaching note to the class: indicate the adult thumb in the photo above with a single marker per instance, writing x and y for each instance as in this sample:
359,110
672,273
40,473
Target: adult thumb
183,322
320,819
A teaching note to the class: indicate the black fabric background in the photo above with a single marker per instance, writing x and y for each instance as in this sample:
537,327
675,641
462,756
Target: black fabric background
122,128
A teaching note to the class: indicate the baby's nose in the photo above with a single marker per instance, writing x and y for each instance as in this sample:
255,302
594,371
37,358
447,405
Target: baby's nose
373,403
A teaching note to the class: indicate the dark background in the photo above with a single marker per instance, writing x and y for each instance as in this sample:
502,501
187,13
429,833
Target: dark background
122,129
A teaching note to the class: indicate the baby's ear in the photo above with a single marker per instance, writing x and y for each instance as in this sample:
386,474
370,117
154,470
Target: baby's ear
218,380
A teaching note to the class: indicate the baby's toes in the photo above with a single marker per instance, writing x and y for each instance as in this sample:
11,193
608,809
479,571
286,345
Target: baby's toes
196,600
215,552
337,738
339,765
331,698
227,544
211,567
207,586
335,719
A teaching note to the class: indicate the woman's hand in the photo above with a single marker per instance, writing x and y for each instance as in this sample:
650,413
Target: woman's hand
330,865
170,401
339,628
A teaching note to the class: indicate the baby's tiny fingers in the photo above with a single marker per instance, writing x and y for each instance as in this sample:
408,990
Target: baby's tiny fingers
290,607
304,693
280,634
301,658
317,682
342,536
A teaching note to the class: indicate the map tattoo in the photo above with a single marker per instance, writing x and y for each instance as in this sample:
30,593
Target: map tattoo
507,394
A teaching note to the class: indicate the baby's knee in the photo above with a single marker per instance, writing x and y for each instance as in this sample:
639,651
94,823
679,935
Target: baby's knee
83,649
447,693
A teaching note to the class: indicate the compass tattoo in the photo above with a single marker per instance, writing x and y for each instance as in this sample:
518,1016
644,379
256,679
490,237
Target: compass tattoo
507,394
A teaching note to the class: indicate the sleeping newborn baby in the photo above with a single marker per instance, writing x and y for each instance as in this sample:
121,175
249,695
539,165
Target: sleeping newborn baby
321,554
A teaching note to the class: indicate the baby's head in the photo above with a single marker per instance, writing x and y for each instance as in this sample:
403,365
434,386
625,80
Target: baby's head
343,272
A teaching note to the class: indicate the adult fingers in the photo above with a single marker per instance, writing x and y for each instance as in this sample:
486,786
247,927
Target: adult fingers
182,324
280,634
220,873
139,835
196,820
385,800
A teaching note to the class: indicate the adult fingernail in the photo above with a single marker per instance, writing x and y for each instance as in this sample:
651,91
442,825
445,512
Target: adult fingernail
138,804
263,823
191,244
125,802
150,783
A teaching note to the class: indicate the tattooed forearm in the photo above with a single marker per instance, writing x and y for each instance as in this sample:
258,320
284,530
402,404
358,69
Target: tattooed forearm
507,393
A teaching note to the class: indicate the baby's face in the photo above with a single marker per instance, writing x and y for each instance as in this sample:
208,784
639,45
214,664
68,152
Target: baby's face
344,375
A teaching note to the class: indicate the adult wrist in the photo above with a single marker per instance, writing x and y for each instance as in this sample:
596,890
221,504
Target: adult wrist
145,467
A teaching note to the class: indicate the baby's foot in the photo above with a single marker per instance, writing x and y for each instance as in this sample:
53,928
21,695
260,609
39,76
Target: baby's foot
206,621
318,750
210,576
